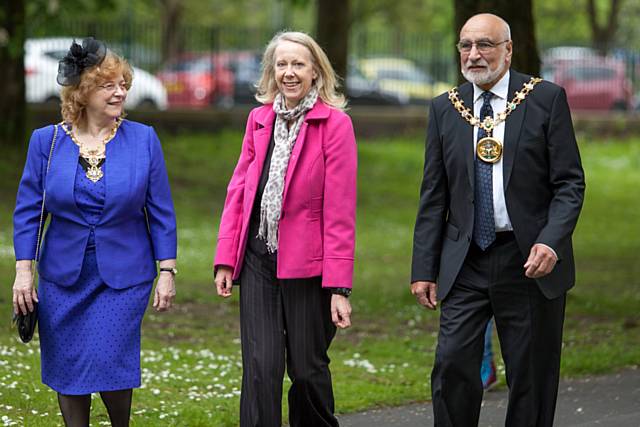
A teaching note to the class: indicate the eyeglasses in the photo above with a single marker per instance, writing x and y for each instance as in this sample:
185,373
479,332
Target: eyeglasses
483,46
111,87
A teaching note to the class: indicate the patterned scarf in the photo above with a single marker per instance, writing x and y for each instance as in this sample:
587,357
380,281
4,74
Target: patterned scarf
284,138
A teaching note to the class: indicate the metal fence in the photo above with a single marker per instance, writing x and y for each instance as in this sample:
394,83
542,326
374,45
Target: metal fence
217,67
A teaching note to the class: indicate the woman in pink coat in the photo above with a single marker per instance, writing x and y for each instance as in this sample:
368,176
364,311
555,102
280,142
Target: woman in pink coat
287,234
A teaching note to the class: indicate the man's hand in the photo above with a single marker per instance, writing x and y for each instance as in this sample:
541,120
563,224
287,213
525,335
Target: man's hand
425,293
224,281
340,311
540,262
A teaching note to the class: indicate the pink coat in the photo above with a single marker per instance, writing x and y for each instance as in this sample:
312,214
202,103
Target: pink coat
317,227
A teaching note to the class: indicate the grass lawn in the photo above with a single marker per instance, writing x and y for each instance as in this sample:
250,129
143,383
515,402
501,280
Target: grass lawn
191,356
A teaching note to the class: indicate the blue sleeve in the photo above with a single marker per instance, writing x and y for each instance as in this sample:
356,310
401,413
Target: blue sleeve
159,204
26,216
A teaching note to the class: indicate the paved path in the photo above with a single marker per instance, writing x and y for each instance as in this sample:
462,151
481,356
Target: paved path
611,401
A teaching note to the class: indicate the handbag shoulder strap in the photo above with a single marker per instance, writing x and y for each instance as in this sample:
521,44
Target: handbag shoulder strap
44,192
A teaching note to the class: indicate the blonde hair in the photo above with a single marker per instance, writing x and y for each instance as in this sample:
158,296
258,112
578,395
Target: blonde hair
326,81
76,97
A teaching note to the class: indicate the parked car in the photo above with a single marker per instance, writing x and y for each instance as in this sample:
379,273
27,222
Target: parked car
362,91
198,80
41,67
245,67
568,53
592,84
401,75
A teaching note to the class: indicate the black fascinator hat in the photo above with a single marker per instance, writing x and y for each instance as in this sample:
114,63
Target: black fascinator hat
79,58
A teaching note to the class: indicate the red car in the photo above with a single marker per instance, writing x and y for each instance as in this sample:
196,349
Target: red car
198,80
593,84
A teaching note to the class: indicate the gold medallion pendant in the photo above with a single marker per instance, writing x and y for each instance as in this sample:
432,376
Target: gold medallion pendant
489,149
94,172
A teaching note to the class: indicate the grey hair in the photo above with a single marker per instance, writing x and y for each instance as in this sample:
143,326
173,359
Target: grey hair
507,30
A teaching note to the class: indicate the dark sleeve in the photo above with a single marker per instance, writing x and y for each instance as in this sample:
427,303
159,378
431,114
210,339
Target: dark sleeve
566,175
432,209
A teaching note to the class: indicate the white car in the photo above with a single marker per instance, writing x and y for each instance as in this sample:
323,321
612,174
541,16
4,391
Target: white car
41,68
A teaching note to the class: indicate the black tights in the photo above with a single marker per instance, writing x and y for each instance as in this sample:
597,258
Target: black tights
76,408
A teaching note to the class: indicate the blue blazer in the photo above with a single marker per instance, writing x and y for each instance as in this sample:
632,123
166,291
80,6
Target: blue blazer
127,241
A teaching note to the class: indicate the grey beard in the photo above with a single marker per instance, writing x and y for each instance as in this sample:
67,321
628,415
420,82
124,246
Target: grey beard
483,78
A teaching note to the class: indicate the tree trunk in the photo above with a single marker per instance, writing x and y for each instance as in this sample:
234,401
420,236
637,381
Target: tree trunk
519,16
171,16
332,33
12,87
602,36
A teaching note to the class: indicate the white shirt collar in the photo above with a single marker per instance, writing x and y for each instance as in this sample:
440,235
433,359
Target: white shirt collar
500,89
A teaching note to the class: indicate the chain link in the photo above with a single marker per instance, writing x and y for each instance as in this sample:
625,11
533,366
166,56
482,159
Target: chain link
489,123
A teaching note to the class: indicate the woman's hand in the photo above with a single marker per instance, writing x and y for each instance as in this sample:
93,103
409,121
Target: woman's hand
340,311
224,281
165,291
24,294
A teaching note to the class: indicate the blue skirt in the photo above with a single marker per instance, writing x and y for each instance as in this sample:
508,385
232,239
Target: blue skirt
90,333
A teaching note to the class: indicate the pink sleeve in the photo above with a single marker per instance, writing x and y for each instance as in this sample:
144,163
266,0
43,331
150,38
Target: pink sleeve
231,221
339,209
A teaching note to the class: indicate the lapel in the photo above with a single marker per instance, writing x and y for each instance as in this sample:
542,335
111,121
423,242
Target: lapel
62,172
262,138
319,112
464,133
120,170
513,125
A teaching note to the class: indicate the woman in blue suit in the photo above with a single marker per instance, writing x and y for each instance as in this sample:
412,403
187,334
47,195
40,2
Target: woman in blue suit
107,194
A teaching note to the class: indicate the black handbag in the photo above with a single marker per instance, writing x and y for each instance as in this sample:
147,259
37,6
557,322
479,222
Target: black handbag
26,323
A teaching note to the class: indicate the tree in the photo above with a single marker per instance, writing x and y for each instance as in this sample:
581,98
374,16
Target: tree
12,100
333,21
603,36
171,17
519,15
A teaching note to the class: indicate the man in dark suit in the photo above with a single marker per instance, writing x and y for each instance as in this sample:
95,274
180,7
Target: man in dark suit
499,201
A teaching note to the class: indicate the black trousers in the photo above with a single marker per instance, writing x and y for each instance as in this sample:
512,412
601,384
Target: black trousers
284,320
529,328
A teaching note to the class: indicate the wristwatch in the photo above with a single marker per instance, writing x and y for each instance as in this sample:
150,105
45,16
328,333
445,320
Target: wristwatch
345,292
173,270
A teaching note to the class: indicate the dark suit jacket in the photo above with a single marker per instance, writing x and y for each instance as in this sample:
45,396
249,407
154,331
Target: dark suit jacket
543,183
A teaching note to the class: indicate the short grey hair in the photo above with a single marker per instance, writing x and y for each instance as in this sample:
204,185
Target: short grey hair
507,30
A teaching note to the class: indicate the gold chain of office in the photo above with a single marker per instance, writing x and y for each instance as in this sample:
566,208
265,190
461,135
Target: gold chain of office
92,160
489,149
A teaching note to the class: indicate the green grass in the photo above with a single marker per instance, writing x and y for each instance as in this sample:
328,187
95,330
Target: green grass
191,356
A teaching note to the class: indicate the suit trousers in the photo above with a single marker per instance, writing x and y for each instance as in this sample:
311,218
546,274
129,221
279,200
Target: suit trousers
492,283
284,321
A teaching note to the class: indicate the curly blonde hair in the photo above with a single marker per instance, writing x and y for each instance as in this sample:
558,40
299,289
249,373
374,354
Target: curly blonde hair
75,98
326,82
